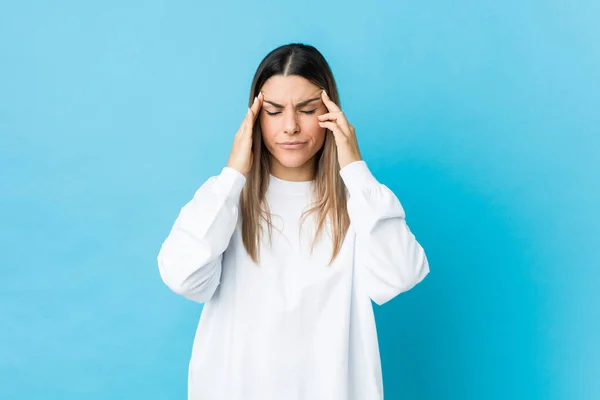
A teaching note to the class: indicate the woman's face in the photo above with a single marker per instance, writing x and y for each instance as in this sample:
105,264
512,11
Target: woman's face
289,113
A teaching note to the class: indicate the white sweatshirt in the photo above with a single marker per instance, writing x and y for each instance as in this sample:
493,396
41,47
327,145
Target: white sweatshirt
290,328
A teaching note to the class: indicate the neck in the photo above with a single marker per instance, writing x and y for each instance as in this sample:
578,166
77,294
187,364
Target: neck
305,172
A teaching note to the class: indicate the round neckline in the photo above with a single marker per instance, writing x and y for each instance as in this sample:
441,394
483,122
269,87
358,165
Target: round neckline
283,186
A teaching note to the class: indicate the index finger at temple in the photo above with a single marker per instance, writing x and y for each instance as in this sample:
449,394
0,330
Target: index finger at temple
331,106
257,105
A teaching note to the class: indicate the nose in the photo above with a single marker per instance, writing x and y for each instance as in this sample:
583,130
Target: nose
291,125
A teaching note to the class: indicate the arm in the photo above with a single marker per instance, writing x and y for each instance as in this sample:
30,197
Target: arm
389,258
189,260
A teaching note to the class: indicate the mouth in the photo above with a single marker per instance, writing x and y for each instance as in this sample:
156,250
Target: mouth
292,145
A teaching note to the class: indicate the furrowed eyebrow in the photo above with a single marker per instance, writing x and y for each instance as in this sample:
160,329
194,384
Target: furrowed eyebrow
301,104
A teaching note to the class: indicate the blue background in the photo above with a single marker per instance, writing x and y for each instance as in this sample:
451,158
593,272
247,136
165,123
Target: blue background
482,116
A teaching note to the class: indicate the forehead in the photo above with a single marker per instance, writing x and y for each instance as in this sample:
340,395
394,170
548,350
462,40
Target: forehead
291,88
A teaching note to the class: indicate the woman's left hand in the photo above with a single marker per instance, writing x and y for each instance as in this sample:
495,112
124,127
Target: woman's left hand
345,136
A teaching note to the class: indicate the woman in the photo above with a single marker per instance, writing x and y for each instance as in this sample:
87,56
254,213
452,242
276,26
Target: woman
290,317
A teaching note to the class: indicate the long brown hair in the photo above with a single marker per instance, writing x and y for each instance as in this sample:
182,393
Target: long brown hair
330,191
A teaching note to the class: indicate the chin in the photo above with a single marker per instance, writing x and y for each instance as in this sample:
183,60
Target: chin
293,160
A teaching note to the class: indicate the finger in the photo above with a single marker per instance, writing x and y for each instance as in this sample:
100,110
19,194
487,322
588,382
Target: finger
252,108
256,105
249,115
245,122
250,122
336,114
339,118
333,127
331,106
328,116
249,118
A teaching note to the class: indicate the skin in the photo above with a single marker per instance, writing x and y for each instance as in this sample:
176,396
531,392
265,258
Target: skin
283,119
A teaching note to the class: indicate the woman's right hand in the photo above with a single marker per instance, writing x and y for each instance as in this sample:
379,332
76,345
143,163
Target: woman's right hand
241,151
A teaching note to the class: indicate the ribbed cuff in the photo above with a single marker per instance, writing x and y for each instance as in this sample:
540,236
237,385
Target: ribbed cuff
231,182
357,176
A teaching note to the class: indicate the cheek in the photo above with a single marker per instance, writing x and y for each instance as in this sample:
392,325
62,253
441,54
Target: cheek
311,123
266,126
315,131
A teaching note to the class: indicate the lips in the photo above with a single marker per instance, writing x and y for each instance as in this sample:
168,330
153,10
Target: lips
292,145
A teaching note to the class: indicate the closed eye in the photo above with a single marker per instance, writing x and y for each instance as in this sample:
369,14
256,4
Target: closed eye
305,112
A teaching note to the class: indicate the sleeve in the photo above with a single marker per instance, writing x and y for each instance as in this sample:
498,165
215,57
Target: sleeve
389,260
189,260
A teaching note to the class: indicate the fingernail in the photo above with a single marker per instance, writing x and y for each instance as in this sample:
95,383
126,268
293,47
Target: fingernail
325,91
